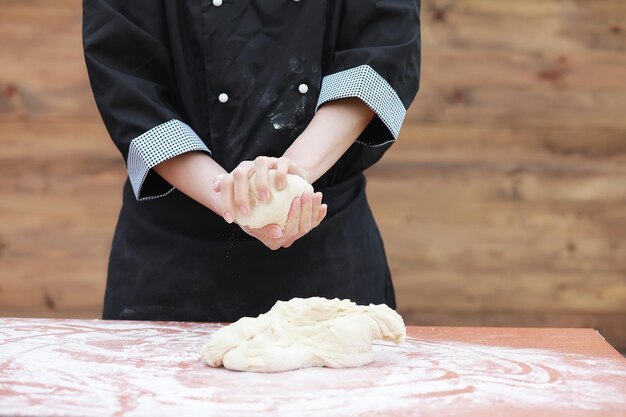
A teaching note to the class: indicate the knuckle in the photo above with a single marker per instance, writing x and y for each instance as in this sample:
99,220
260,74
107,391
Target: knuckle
226,180
239,173
262,184
284,162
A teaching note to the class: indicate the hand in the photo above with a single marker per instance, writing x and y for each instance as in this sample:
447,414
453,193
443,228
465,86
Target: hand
305,214
234,187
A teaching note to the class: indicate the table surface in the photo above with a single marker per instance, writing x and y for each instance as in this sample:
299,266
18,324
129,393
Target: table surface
122,368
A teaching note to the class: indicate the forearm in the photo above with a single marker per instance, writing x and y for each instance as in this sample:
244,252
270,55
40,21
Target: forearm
333,129
192,173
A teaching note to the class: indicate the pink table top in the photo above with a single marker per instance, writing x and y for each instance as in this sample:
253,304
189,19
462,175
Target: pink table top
116,368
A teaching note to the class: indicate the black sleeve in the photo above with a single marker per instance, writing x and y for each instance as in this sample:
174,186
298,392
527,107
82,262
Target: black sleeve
376,57
130,71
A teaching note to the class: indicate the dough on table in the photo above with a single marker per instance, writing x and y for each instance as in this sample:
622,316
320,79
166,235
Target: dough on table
276,210
302,333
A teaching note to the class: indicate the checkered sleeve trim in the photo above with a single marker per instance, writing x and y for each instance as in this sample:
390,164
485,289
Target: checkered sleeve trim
368,85
159,144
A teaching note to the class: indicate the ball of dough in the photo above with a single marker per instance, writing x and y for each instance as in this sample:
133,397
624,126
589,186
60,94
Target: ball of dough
276,210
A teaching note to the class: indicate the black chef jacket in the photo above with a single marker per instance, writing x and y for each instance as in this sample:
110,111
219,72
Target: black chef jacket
238,79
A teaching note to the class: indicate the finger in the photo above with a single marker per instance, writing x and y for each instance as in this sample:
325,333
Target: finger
261,166
317,203
282,167
242,189
293,221
226,198
322,214
305,213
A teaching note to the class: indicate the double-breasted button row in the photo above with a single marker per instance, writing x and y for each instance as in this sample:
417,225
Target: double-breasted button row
302,88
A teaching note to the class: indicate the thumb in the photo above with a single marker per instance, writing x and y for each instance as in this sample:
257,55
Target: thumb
271,230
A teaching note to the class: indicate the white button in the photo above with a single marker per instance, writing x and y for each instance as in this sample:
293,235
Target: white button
303,88
217,3
223,98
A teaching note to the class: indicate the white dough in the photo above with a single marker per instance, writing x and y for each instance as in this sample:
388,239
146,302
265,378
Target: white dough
302,333
276,210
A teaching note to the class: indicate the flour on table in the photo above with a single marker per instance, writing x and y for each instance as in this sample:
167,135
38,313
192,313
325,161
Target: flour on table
276,210
302,333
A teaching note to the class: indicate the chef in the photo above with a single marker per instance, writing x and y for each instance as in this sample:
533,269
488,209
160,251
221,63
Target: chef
199,94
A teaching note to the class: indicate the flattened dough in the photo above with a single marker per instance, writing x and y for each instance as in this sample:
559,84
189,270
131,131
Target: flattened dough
276,210
302,333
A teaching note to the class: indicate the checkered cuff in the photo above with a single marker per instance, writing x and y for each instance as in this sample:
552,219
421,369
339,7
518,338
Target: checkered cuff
159,144
368,85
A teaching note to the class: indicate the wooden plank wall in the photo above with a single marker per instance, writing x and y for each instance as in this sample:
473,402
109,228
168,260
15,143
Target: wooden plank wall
503,202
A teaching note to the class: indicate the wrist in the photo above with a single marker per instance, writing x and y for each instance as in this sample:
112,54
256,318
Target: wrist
306,165
307,172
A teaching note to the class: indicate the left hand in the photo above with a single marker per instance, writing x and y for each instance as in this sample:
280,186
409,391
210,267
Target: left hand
305,214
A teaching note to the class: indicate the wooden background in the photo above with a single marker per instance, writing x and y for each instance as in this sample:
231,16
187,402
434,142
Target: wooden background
503,202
